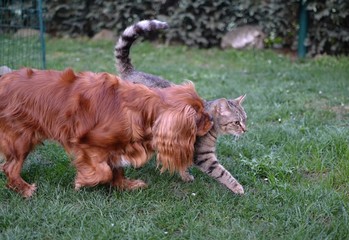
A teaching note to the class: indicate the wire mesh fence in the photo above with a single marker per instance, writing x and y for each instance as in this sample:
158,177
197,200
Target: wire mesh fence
22,42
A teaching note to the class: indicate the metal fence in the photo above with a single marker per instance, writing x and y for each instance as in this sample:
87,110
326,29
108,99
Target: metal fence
22,42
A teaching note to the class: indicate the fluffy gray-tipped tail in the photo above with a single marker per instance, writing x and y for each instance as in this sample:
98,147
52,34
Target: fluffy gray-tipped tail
131,33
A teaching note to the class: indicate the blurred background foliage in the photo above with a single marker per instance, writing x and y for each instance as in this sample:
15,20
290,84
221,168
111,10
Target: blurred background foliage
202,23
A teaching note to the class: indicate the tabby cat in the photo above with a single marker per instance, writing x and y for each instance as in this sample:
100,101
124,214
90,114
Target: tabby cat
228,116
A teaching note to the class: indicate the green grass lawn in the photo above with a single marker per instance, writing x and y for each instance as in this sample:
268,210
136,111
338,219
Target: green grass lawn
293,162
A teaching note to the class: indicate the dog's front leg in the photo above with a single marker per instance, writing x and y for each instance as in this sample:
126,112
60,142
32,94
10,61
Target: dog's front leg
92,168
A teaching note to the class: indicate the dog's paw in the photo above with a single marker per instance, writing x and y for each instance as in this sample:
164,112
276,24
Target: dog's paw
132,184
186,176
29,190
77,186
25,189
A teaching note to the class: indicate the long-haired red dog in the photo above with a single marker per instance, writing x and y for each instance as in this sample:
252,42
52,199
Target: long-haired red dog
102,121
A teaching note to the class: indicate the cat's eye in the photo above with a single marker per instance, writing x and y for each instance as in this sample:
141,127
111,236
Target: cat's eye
237,123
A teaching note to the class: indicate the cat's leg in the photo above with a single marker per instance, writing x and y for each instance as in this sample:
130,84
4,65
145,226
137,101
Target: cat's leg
186,176
224,177
92,168
15,149
122,183
218,172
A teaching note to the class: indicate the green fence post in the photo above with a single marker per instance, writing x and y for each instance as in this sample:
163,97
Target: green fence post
303,28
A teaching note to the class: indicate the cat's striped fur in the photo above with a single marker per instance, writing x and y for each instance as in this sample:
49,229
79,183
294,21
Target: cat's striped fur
228,115
229,118
122,53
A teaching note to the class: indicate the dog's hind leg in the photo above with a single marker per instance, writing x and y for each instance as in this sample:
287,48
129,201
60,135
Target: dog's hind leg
123,183
15,153
92,168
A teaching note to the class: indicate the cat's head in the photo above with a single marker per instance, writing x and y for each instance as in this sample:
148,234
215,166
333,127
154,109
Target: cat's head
229,116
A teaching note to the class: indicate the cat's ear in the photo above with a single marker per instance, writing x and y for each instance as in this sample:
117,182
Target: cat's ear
222,107
240,99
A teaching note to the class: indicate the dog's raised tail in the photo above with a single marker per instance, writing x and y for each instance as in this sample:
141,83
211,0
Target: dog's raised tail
131,33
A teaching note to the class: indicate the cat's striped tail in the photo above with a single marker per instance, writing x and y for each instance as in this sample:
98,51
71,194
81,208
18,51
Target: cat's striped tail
131,33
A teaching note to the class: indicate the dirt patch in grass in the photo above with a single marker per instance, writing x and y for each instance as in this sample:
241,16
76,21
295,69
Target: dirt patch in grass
341,111
314,176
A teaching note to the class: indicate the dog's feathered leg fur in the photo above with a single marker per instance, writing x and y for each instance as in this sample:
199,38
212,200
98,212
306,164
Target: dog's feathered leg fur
15,153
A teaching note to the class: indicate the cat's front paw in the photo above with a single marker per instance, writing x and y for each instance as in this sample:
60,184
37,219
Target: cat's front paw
238,189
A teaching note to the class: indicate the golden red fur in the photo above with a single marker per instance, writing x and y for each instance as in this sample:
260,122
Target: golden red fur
100,120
